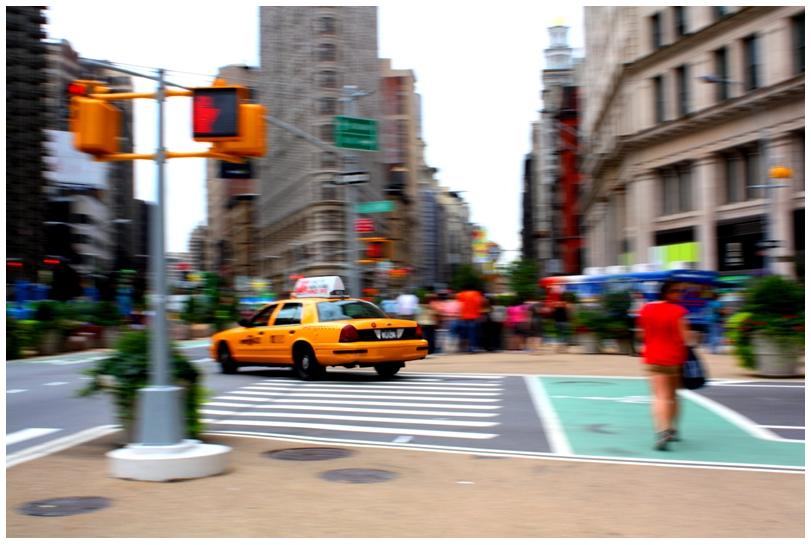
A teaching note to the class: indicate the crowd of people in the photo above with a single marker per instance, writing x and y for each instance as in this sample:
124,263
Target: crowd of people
469,321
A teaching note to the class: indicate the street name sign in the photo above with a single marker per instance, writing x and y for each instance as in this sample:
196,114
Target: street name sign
374,207
356,133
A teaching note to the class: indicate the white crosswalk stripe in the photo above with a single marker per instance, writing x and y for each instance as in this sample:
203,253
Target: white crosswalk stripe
28,433
408,408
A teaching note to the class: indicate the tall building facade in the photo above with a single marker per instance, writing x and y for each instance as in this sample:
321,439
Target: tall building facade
555,152
26,118
231,191
686,110
90,206
309,57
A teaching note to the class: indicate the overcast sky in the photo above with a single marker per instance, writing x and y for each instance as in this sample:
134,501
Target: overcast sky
477,67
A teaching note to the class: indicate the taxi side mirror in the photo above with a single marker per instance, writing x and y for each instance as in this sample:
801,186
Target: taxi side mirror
244,322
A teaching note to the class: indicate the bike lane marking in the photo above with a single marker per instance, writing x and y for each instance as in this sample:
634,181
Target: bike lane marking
611,417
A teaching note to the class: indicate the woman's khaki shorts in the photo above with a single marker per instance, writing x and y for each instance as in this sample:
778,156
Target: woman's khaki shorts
670,370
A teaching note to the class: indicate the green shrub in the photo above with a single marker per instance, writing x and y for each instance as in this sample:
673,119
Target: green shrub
739,331
126,371
13,348
777,309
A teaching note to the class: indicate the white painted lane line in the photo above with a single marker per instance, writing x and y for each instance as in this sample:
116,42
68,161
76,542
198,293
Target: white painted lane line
549,418
55,383
471,413
359,429
744,385
783,427
15,391
378,387
361,402
731,416
403,439
372,390
74,362
358,398
425,421
38,451
203,360
28,433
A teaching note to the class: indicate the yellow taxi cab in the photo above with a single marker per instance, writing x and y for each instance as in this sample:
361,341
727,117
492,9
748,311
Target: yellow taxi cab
318,327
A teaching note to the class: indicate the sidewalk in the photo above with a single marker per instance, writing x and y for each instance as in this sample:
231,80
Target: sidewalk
432,494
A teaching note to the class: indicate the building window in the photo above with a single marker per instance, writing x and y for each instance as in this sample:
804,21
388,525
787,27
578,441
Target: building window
683,89
656,30
721,58
329,160
329,192
719,12
676,183
680,20
798,47
742,173
325,132
798,163
327,106
659,99
328,79
326,52
326,25
750,62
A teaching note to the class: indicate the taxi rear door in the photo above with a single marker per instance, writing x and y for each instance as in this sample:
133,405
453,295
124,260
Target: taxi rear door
283,332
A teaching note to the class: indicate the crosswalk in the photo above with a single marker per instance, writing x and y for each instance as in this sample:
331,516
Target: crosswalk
414,407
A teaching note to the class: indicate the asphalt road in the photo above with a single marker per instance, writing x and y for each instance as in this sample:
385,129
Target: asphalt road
745,423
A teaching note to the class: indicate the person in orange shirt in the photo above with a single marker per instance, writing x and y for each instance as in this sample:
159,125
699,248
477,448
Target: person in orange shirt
472,302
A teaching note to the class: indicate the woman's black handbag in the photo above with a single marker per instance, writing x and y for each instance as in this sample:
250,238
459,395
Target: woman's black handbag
692,372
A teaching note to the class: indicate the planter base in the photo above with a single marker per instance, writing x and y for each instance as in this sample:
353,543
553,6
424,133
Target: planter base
774,360
189,459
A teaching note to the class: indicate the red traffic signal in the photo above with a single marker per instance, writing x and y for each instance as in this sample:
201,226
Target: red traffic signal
215,114
14,264
51,261
78,89
376,249
364,225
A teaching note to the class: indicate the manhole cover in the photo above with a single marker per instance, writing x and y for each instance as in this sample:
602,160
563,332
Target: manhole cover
358,475
308,454
64,507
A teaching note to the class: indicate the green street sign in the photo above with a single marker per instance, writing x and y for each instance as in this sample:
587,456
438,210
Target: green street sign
355,133
374,207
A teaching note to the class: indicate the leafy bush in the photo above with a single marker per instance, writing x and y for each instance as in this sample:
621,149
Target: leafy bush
739,332
127,370
13,348
777,309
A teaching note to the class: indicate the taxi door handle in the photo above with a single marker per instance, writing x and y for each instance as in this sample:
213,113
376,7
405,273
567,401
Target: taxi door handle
261,333
292,331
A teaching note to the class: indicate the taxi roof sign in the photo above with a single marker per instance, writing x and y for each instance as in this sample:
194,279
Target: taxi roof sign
319,286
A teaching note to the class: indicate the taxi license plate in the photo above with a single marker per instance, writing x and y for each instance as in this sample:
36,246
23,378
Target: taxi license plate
387,334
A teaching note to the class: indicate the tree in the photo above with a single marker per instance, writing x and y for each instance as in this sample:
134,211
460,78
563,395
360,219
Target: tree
467,277
523,279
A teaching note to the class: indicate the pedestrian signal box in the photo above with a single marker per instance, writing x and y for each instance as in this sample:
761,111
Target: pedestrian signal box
215,114
251,137
375,249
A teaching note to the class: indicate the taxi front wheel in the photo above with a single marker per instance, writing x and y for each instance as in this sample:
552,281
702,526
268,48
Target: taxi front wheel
306,366
227,364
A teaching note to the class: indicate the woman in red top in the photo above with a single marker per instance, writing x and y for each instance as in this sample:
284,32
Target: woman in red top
665,333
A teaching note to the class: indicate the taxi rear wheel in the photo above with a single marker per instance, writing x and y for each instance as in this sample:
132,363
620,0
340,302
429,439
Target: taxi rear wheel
227,364
388,369
306,366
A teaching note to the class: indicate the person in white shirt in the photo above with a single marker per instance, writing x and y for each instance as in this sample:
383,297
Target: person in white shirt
407,305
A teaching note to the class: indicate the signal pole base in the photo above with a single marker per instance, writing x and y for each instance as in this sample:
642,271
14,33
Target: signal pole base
189,459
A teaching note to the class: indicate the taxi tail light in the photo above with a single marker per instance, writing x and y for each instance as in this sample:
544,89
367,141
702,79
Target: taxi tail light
349,334
419,332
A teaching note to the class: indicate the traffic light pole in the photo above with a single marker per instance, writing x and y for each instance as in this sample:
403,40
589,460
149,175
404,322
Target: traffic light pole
159,417
161,452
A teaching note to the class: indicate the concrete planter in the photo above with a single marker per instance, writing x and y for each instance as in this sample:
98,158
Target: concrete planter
201,331
589,342
50,343
775,359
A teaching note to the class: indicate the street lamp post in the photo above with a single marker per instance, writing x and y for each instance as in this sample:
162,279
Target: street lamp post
765,175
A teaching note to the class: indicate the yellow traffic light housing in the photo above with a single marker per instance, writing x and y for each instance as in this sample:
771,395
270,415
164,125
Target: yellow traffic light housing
95,125
251,141
375,249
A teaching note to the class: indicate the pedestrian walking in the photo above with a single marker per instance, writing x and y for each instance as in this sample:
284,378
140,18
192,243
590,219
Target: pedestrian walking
428,318
517,323
406,305
561,315
498,313
714,313
665,334
448,337
470,313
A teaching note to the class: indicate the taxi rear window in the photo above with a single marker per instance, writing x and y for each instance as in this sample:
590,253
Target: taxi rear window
347,310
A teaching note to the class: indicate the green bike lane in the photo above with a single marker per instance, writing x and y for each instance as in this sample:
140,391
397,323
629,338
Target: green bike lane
610,418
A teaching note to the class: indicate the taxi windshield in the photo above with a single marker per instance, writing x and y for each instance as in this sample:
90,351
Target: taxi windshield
347,310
